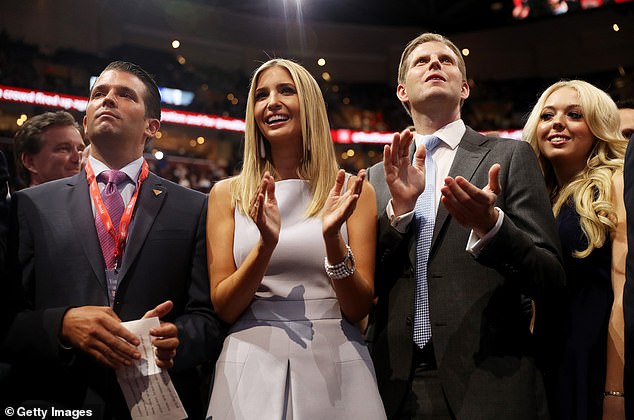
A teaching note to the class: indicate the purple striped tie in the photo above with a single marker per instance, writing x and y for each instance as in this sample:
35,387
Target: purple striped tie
114,204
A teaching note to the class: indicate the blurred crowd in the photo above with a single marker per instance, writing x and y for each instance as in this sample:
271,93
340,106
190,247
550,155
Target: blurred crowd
494,104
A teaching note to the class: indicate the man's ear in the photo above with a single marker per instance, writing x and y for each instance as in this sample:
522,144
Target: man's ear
464,90
401,93
27,161
152,126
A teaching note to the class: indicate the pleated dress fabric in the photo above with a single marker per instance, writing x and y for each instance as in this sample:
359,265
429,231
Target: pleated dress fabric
291,355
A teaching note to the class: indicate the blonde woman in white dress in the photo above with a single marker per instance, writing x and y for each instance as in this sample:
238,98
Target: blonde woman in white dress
291,245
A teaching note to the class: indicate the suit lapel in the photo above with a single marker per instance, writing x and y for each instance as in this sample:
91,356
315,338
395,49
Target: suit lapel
148,205
468,158
83,221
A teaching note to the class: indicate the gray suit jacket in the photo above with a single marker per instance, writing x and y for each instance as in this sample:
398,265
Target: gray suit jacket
483,345
60,265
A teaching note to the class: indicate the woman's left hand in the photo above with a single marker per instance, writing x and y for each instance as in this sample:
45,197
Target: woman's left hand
340,205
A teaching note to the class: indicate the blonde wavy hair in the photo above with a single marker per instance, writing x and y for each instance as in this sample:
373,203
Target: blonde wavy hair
318,164
590,189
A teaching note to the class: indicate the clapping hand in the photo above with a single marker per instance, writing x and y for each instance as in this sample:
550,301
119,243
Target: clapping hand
471,206
340,205
264,212
405,181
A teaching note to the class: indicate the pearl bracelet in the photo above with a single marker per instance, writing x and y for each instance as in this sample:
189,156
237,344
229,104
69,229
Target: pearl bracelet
343,269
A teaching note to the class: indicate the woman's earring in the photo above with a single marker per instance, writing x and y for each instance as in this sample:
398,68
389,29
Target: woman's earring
262,149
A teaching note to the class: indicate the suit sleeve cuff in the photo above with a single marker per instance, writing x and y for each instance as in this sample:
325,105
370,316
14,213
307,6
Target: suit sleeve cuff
476,244
400,223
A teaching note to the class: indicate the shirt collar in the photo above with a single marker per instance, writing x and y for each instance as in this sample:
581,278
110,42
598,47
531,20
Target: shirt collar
132,169
451,134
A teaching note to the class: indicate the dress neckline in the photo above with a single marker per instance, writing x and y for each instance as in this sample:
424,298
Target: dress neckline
291,181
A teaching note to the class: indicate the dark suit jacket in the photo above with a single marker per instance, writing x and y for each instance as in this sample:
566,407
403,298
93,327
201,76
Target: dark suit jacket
4,209
4,229
61,266
628,291
481,337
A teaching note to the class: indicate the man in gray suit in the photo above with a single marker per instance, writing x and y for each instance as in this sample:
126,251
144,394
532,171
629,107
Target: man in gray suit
464,348
80,272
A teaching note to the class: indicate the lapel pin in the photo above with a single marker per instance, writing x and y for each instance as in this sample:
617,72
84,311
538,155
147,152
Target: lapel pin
157,192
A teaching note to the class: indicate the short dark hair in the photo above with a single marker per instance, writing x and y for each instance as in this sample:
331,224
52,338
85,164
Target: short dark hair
152,98
28,139
625,104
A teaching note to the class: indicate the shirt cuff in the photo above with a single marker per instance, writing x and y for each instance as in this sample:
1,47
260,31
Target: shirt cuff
400,223
475,244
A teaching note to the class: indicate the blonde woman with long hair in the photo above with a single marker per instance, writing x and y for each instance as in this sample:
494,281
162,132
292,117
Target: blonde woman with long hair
574,131
291,244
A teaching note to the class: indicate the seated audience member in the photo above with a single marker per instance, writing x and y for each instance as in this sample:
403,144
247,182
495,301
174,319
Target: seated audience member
574,131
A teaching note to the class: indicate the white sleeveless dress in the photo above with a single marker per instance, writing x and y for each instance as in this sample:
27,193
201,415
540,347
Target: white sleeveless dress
291,355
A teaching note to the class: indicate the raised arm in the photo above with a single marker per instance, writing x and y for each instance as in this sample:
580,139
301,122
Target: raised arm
356,207
405,180
471,206
232,289
526,247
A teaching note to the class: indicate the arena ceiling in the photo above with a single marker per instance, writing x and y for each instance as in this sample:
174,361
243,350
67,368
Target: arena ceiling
441,15
361,39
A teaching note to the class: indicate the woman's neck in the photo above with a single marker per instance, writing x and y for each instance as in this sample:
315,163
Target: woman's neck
286,161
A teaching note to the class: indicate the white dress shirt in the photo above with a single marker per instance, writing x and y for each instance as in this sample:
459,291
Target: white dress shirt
443,156
126,189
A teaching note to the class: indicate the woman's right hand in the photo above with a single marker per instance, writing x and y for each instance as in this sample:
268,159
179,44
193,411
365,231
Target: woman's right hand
264,212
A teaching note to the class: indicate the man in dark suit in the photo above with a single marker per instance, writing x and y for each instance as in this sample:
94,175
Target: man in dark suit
628,289
494,245
4,209
78,277
4,229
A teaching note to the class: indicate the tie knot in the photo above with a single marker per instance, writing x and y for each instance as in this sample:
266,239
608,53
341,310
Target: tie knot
112,176
431,142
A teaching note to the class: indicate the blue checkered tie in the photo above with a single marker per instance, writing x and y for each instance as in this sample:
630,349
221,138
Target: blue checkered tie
425,213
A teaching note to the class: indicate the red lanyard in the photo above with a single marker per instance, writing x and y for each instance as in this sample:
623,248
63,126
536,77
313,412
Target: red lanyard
120,235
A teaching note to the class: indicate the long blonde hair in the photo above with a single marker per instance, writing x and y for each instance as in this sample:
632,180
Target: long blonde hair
590,189
318,164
